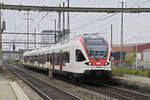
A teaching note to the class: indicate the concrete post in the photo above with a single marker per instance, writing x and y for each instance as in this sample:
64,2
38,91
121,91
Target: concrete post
1,57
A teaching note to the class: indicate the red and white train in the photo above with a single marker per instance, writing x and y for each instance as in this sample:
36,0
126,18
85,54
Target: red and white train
85,57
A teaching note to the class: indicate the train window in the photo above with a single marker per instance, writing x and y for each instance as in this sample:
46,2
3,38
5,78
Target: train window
39,58
79,56
45,57
51,58
36,58
66,57
48,57
57,59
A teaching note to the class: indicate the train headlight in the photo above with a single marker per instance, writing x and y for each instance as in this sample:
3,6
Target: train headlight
107,63
88,63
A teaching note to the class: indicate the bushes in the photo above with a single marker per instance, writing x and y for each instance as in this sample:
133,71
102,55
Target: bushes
121,72
20,62
130,58
117,72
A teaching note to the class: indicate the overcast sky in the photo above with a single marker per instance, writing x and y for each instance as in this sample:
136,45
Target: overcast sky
134,24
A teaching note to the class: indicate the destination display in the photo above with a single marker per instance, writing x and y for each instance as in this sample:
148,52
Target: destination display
94,41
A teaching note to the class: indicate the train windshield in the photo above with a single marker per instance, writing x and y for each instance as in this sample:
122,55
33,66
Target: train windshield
97,48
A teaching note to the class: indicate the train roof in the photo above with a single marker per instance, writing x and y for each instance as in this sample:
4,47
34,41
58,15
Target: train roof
59,45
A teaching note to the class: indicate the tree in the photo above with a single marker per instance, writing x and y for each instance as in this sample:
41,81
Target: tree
130,58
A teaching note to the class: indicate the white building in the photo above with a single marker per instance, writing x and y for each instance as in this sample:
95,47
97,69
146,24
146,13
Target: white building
47,38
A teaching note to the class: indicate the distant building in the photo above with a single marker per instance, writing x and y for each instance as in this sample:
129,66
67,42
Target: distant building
14,54
128,48
47,38
146,60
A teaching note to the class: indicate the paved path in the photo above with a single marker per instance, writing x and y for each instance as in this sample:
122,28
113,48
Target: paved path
10,90
6,91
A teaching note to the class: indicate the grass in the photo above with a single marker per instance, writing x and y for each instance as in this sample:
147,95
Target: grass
4,71
9,76
12,77
20,63
122,72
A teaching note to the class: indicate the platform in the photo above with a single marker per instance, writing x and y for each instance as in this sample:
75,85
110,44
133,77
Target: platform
10,90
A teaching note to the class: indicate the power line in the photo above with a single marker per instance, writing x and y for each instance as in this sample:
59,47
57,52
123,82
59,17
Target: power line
91,22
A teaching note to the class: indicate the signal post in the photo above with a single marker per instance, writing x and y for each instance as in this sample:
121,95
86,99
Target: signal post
2,27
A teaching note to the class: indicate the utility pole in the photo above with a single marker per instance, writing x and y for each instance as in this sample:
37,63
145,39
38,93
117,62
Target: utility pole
35,40
111,42
136,52
121,37
59,25
63,21
1,56
28,24
136,55
55,29
68,21
27,30
2,27
111,36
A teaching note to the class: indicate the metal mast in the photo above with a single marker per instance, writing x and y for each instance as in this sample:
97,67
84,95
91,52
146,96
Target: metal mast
121,37
1,57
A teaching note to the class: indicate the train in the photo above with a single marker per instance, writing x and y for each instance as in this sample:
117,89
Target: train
86,57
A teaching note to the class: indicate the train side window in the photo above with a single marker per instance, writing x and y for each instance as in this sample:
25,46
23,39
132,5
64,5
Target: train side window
79,56
66,57
57,59
47,56
51,58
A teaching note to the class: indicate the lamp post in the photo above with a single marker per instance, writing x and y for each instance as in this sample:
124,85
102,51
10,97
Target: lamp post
136,54
136,51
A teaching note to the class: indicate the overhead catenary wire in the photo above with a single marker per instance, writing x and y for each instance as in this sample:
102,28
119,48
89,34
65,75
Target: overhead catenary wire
92,22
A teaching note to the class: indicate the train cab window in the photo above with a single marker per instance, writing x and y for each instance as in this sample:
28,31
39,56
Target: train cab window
79,56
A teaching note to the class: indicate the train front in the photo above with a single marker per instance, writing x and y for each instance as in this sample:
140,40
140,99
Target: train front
97,50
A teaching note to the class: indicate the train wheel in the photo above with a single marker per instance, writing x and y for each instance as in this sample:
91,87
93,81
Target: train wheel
70,76
50,74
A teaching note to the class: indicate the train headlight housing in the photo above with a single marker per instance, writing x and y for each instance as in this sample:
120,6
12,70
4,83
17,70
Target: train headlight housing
88,63
107,63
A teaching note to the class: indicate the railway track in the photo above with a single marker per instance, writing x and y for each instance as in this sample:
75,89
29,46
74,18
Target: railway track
110,91
46,91
115,92
126,94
